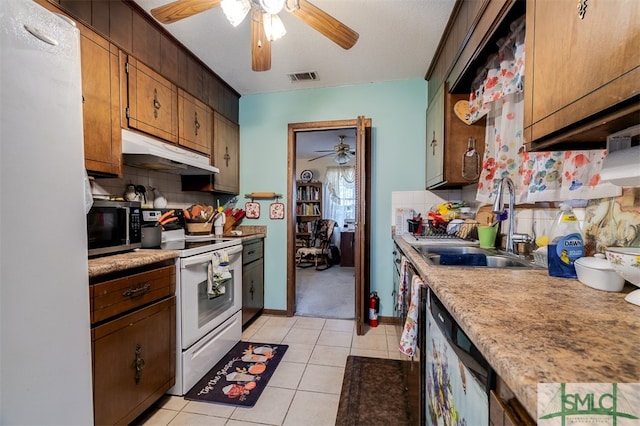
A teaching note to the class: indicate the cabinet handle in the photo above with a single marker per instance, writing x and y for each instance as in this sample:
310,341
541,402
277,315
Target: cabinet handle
156,103
582,8
138,363
250,252
134,292
434,142
251,290
227,157
196,125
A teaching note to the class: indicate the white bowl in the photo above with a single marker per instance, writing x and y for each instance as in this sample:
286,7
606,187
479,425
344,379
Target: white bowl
626,262
597,273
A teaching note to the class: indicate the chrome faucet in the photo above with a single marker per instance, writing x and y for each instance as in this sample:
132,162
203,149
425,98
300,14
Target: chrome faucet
497,209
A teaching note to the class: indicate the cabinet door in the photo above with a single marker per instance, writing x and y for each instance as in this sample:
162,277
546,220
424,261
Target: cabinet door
153,101
134,362
252,290
101,104
435,140
194,123
226,152
578,66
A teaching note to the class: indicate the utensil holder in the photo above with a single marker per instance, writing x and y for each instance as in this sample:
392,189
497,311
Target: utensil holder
229,224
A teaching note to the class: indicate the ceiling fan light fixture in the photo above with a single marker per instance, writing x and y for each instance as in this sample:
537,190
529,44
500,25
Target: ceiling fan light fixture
235,10
273,27
342,159
272,7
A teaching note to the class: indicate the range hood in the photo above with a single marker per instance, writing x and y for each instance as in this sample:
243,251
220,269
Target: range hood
148,153
621,166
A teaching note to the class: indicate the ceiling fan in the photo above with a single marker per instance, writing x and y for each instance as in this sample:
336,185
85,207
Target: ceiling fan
266,25
342,152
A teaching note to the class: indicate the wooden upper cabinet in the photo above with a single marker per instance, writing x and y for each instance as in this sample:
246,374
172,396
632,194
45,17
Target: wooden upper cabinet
578,65
169,55
146,42
101,104
121,24
153,101
226,154
194,123
448,141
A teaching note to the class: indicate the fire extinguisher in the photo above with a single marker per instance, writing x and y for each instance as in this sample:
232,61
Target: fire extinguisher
374,307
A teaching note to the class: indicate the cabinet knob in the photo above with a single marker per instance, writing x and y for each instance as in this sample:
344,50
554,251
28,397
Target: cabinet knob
434,142
227,157
156,103
582,8
138,363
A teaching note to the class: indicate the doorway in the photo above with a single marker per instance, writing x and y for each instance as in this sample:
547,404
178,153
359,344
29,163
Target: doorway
325,193
357,219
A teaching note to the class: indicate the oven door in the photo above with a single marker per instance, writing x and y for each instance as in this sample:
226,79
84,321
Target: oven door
201,312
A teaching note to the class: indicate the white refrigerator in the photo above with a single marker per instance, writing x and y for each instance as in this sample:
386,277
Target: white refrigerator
45,345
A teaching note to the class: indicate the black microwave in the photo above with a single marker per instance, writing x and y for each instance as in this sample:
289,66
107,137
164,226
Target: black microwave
114,226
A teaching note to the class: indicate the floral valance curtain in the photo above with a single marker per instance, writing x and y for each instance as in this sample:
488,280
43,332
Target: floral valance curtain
539,176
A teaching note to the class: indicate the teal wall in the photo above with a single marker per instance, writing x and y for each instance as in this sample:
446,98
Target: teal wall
397,113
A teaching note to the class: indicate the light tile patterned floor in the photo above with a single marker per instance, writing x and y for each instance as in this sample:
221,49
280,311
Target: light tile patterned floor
305,389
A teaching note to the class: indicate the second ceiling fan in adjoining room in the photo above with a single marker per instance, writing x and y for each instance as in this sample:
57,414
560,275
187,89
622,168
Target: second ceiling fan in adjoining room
266,25
342,152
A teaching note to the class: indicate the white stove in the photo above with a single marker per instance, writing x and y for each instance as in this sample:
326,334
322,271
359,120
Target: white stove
209,323
191,245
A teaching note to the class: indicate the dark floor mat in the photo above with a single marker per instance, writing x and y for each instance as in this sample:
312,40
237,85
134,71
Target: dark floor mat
241,376
373,393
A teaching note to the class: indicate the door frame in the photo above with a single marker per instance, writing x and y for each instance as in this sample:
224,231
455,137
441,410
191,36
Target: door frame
363,211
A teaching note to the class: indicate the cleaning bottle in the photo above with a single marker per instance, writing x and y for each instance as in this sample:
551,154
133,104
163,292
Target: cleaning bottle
566,244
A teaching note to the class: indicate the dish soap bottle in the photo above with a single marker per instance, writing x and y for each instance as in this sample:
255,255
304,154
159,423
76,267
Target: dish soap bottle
566,244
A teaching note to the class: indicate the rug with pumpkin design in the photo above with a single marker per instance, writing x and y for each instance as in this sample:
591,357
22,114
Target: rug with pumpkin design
240,376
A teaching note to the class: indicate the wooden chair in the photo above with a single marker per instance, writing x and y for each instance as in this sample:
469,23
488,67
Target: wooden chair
318,253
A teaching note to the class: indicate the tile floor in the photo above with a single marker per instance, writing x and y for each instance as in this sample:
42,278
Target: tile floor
305,389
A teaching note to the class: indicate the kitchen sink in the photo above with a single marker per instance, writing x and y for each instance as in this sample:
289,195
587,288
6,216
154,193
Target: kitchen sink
471,256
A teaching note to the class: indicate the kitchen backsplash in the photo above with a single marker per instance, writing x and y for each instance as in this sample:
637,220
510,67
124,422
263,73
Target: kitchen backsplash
167,183
604,222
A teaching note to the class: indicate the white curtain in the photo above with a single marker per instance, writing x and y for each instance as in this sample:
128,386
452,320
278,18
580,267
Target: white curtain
339,196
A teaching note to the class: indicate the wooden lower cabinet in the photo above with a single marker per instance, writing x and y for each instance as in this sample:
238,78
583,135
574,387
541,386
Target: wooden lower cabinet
133,341
252,280
133,362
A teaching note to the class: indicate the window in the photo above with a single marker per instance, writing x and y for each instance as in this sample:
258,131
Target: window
340,194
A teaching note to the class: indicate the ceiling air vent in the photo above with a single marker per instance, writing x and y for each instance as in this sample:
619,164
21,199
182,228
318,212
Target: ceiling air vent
303,76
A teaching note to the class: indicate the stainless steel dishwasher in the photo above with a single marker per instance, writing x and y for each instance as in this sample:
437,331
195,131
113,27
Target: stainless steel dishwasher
457,377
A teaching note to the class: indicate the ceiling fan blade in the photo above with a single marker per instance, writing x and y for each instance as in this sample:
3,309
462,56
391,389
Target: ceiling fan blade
181,9
260,45
326,24
322,156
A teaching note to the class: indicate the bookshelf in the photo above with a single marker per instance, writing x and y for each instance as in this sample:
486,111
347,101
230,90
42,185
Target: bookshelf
308,209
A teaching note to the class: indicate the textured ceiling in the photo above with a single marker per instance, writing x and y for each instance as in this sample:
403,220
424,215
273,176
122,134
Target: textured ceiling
397,41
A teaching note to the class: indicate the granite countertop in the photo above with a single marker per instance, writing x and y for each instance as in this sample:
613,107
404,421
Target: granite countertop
140,257
533,328
123,261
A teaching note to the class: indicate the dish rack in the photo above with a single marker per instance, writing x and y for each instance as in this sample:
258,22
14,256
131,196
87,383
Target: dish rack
466,231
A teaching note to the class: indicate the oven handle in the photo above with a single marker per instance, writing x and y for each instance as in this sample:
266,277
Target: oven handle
204,258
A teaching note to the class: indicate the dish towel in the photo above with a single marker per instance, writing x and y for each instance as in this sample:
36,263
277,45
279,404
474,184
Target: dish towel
401,302
409,338
218,273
